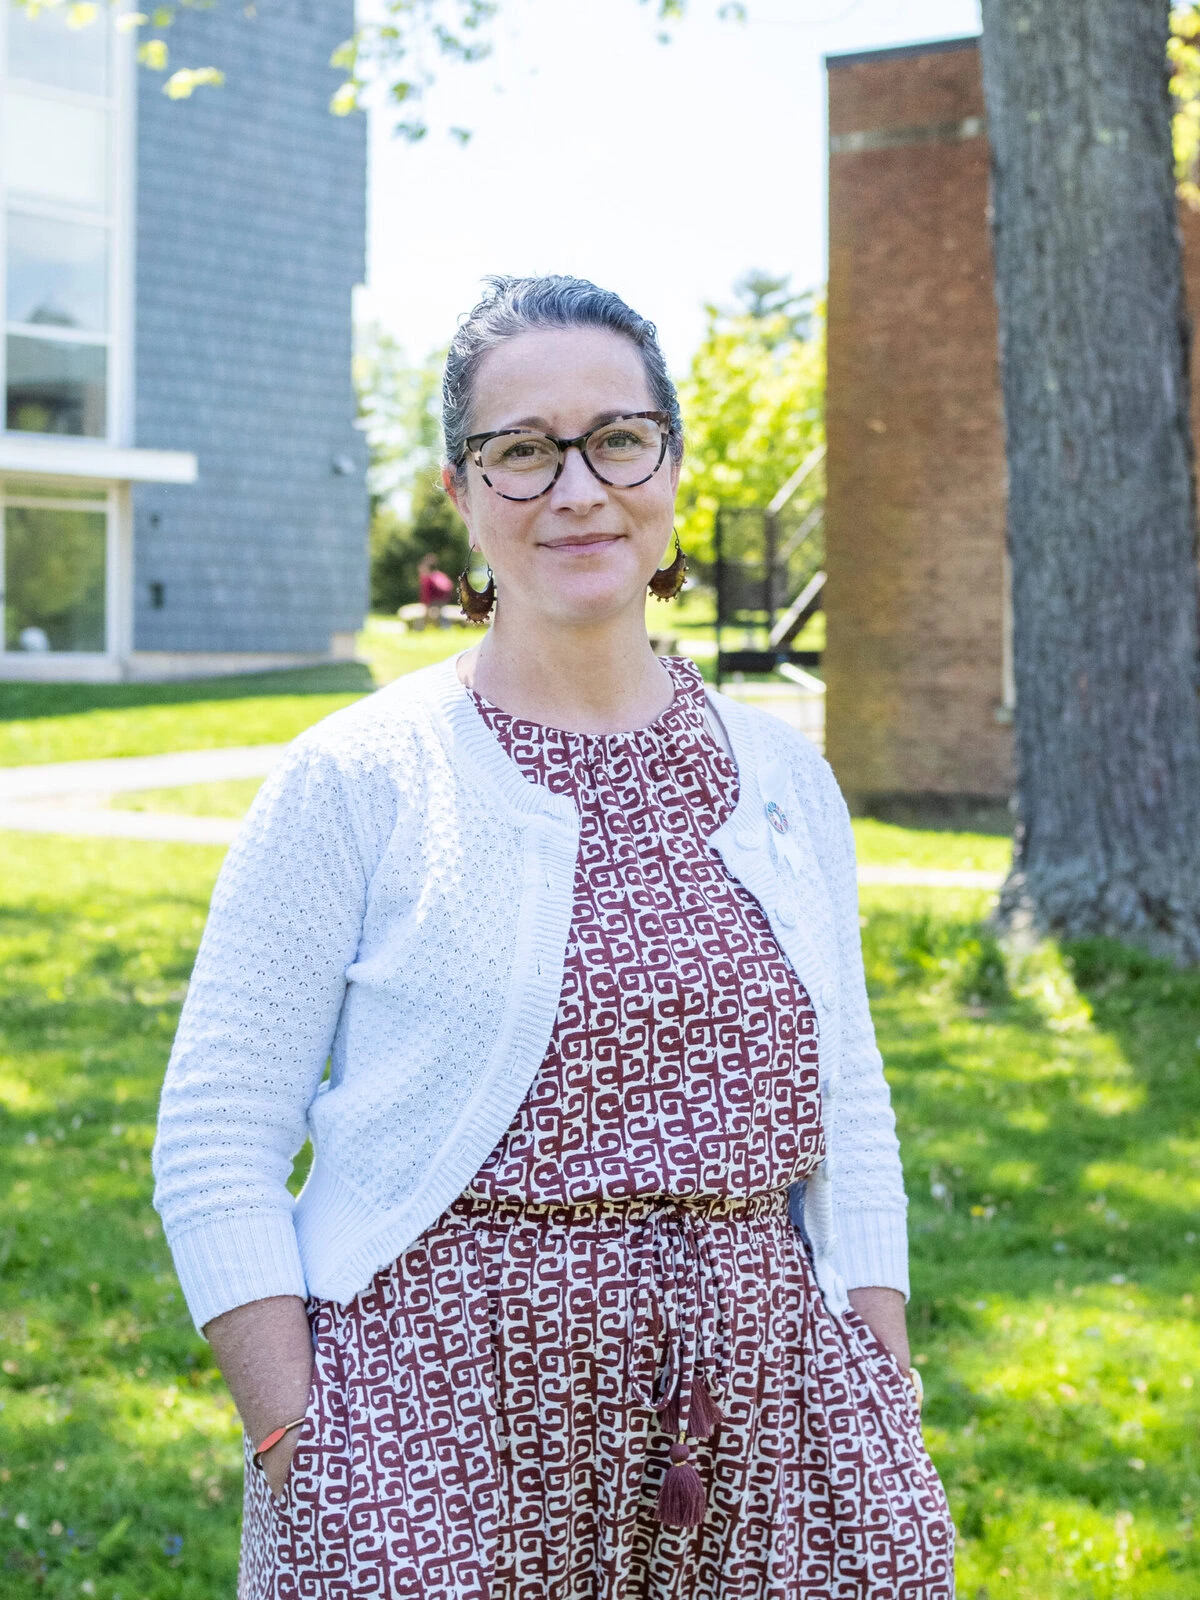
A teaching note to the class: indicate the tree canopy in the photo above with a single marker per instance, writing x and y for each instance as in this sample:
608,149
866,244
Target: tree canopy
390,54
753,403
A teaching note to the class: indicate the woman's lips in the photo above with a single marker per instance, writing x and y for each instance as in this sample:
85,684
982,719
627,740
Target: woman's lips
581,542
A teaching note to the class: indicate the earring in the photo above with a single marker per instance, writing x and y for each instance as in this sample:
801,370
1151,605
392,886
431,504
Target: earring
476,604
668,581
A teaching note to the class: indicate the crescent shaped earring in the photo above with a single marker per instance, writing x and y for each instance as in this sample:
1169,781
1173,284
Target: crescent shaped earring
668,581
477,604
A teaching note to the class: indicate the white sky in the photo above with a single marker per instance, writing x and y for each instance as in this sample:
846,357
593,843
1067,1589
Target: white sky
661,171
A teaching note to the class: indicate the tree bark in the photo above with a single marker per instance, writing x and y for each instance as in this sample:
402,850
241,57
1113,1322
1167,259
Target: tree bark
1101,520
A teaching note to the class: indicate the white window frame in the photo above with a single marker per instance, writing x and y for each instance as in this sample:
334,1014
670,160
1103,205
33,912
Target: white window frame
73,491
78,495
118,219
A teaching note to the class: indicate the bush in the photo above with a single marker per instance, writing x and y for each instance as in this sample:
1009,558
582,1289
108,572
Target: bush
398,543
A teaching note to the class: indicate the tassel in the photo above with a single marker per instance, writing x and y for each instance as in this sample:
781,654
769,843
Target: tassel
704,1414
668,1413
681,1500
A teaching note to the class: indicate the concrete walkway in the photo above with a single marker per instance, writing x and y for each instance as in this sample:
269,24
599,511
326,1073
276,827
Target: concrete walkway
125,773
28,796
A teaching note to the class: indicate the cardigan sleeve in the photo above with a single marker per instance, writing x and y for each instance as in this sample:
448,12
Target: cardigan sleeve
254,1037
868,1184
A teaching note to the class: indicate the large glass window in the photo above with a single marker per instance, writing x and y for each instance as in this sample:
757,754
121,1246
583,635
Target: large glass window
57,221
47,49
54,566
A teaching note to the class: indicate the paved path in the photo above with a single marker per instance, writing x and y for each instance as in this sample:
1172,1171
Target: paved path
165,825
28,796
125,773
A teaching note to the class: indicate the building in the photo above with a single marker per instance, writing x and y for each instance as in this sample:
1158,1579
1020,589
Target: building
918,661
183,483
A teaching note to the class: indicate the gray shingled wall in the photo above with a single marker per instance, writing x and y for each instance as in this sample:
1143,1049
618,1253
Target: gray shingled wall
250,238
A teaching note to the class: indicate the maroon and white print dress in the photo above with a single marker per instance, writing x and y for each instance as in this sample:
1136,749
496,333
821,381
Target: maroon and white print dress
493,1417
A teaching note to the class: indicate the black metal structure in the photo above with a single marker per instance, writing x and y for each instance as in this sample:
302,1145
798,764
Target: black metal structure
768,578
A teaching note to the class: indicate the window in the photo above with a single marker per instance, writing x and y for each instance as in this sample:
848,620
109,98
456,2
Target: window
54,544
58,225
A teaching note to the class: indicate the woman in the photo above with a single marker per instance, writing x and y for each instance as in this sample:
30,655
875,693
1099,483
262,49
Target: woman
579,942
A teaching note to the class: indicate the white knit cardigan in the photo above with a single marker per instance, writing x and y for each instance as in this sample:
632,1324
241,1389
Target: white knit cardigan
396,905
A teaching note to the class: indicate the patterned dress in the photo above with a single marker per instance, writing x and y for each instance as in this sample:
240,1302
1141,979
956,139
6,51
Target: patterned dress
493,1417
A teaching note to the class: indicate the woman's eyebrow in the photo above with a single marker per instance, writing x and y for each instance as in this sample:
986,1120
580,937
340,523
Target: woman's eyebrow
542,426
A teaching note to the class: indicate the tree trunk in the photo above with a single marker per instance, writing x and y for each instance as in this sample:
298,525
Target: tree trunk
1101,520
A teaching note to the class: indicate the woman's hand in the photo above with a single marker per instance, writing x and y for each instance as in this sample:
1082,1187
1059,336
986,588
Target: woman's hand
265,1352
277,1462
883,1312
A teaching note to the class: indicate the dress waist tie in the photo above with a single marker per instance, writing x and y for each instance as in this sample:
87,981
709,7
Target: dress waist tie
681,1299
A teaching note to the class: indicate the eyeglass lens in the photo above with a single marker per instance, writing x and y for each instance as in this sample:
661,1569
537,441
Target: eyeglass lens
623,453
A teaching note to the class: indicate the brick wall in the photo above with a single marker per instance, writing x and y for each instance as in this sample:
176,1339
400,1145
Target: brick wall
916,475
915,515
250,238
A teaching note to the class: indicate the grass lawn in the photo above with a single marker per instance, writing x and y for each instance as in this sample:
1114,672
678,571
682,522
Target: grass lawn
1049,1111
78,722
1050,1118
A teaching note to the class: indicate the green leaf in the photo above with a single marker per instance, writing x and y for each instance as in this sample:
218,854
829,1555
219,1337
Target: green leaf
344,99
181,85
153,54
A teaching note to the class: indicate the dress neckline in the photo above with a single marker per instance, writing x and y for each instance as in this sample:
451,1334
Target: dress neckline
683,712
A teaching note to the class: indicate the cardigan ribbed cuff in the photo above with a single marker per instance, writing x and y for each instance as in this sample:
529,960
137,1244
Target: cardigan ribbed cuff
872,1249
232,1260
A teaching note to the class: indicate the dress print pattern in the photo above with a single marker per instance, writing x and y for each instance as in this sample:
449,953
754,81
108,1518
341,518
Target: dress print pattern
490,1419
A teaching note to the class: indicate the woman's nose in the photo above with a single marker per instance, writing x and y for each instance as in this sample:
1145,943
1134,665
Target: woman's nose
578,489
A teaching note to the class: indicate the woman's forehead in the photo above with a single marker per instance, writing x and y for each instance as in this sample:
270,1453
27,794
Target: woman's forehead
557,378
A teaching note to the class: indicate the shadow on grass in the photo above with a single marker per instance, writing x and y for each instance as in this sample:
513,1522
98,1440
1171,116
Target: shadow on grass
1049,1113
21,701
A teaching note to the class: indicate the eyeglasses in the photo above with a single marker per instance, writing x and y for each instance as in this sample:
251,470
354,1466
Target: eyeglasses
521,464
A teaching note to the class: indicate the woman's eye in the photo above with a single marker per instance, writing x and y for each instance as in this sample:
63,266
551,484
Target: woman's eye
524,452
620,439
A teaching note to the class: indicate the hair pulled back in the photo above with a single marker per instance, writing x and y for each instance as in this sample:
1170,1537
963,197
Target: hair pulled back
516,305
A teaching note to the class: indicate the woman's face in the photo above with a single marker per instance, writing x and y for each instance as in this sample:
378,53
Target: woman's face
583,551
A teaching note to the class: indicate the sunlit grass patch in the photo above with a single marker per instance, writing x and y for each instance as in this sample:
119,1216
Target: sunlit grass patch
1049,1111
230,797
119,1458
1050,1135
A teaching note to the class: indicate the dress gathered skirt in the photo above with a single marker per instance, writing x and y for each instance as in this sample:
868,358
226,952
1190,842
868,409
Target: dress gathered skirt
621,1286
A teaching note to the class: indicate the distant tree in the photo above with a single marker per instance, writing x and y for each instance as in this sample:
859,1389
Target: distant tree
753,403
764,295
1101,515
410,514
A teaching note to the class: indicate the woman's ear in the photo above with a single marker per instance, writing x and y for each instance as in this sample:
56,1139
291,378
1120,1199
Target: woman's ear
456,493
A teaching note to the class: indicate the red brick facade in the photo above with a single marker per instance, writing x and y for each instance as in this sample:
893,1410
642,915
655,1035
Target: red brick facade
915,661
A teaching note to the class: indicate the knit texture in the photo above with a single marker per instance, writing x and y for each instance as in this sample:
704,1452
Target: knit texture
395,909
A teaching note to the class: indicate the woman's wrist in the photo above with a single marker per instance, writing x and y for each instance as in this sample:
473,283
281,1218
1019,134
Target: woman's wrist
265,1353
883,1311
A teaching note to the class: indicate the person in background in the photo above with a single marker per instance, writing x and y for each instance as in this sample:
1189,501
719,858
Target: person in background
597,1284
435,589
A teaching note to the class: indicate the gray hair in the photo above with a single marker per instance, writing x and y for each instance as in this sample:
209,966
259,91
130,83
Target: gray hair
516,305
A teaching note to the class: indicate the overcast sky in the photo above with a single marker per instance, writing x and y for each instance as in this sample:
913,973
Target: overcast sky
661,171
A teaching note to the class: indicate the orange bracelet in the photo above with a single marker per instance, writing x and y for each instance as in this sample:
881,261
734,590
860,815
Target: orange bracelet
273,1439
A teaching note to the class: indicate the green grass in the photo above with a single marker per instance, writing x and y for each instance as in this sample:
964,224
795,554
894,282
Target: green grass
886,845
119,1451
229,798
1049,1111
78,722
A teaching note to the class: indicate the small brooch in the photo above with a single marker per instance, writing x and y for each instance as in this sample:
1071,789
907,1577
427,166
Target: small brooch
776,817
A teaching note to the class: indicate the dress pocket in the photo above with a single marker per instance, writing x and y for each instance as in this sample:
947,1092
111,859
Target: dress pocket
890,1377
301,1463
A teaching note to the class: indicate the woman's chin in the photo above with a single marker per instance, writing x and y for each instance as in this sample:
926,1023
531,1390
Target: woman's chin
585,601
